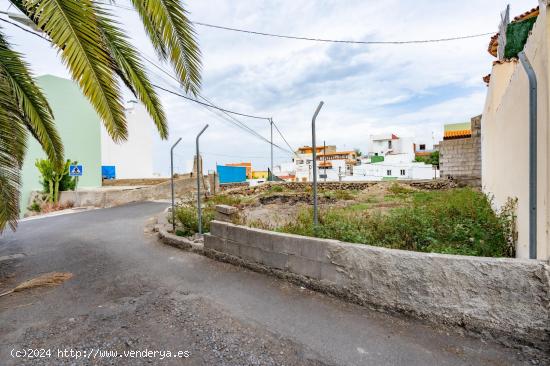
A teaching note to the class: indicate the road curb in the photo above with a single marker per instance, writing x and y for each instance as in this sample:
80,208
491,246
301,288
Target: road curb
165,236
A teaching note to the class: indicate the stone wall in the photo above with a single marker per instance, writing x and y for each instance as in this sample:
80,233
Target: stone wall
460,159
507,298
116,196
133,182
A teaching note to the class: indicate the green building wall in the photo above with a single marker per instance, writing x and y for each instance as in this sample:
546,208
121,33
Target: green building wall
79,128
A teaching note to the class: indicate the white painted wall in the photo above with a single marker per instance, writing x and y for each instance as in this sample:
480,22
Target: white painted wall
396,165
134,157
379,145
505,141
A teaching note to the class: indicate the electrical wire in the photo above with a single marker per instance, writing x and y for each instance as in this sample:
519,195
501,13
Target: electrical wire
208,105
327,40
436,40
241,125
223,110
284,139
24,29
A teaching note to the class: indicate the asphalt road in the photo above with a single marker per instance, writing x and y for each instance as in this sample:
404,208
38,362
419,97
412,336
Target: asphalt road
130,292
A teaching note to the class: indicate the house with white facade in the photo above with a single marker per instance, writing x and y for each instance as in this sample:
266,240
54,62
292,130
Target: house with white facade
388,144
332,165
133,158
391,157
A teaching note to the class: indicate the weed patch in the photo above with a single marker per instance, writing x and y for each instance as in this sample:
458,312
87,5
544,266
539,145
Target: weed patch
458,221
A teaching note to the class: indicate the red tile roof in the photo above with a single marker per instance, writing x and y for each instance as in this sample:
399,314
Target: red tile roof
527,15
493,44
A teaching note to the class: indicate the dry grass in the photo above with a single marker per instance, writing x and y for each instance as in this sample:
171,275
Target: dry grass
45,280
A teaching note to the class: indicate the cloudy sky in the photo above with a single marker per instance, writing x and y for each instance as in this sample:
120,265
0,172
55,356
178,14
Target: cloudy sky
410,90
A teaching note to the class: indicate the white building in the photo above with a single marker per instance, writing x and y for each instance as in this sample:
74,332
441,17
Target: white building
285,171
392,157
131,159
382,145
394,166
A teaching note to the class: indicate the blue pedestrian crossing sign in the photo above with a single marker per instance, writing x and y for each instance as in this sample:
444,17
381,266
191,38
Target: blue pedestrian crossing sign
75,170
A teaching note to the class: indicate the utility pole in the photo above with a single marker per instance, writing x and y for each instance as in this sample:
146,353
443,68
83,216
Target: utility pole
172,184
271,124
313,143
199,173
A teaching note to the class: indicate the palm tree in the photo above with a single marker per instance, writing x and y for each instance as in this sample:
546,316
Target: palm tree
99,56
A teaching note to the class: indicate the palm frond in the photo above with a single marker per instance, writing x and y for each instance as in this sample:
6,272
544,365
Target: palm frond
13,137
31,101
168,20
130,69
72,26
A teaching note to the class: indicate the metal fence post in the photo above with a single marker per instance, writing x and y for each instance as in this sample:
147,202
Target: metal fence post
313,143
172,183
199,173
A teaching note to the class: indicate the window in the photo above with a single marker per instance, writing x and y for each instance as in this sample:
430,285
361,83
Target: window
402,171
422,147
388,172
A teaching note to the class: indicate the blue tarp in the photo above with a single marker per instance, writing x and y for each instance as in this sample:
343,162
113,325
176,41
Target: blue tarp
108,172
231,174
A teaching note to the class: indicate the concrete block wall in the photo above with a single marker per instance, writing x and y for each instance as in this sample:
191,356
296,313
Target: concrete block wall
508,298
460,159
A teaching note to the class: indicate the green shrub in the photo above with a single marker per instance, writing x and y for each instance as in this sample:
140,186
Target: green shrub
459,221
187,219
224,199
34,207
276,189
398,189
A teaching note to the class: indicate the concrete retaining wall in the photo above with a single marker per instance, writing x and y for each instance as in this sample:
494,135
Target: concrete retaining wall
507,298
116,196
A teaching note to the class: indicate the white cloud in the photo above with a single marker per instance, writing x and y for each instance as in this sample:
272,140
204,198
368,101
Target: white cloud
407,89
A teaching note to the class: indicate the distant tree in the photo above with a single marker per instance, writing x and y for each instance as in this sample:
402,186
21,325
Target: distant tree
358,152
432,159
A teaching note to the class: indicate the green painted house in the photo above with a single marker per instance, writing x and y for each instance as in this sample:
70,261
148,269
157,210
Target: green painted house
79,128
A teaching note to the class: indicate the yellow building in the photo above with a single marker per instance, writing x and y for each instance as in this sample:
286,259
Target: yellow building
260,174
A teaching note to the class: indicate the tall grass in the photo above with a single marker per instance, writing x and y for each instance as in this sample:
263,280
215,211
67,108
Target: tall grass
458,221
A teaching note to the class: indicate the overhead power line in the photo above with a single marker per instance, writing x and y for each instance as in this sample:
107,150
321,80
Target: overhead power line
456,38
239,124
284,139
209,104
327,40
24,29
